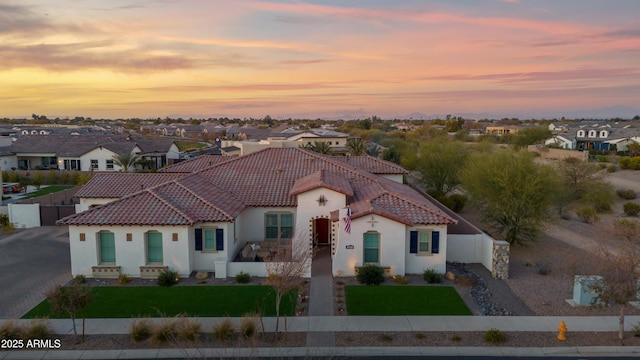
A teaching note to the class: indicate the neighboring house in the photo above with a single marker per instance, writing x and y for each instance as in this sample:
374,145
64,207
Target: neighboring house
88,152
595,136
207,220
500,130
562,141
337,141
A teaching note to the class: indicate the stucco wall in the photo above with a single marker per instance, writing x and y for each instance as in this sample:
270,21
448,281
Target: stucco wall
205,260
251,223
559,154
473,248
130,255
24,215
418,263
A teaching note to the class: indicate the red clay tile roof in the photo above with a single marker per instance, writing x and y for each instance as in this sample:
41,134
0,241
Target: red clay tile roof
119,184
371,164
324,179
195,164
266,178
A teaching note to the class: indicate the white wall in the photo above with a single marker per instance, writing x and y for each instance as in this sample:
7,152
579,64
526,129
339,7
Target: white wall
393,242
205,260
418,263
102,155
8,162
250,225
24,215
473,248
309,208
130,255
395,177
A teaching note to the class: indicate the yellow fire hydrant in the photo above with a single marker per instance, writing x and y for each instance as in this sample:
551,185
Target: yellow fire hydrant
562,330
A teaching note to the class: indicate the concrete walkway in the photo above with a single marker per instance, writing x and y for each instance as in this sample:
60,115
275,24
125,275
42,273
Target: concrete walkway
329,324
321,297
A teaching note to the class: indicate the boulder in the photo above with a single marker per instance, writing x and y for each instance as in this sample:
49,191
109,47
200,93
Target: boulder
450,276
201,275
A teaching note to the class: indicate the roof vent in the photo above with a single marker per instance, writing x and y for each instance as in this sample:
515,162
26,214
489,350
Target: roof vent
278,170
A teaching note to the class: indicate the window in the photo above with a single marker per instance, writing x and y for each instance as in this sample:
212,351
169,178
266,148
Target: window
109,164
94,164
581,133
107,246
154,248
211,239
424,242
371,248
604,133
278,225
592,133
72,164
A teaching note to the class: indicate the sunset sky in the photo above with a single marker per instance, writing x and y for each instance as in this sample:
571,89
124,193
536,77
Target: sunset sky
309,59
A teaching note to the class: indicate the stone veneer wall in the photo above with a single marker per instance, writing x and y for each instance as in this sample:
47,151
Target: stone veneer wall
500,268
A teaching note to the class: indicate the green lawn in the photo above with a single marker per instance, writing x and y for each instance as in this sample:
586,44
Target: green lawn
156,301
47,190
404,300
184,145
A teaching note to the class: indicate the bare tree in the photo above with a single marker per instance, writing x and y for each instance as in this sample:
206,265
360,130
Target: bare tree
69,300
619,273
286,268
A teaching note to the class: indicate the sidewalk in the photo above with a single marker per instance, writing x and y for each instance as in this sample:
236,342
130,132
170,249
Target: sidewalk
328,324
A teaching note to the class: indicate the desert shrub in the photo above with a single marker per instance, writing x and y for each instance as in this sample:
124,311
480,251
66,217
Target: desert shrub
419,336
79,279
37,329
14,177
75,177
465,280
612,168
602,158
243,278
248,326
431,276
10,330
587,215
631,209
602,166
188,329
124,279
141,329
494,336
52,177
385,337
370,275
402,280
455,202
544,268
7,225
627,194
630,163
168,277
455,337
223,330
64,178
164,331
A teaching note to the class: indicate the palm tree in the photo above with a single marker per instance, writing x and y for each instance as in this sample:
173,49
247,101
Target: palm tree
321,147
356,146
125,160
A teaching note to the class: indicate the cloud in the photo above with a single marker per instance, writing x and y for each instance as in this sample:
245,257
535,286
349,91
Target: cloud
545,76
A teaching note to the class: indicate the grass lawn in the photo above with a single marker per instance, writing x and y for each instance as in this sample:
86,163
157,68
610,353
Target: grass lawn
184,145
47,190
156,301
404,300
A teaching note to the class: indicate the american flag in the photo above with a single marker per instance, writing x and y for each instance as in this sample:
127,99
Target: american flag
347,222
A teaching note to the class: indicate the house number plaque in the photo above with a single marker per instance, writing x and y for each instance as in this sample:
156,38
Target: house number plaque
349,247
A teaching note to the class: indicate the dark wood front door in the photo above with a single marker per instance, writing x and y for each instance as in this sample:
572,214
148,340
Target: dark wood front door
322,234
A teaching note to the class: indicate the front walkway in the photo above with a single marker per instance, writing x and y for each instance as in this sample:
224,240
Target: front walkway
321,296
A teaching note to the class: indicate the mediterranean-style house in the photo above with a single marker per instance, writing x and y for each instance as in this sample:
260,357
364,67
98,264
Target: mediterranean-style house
227,217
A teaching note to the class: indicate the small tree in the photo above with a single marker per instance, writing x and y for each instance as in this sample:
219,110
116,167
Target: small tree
69,300
356,146
125,161
285,269
618,267
37,179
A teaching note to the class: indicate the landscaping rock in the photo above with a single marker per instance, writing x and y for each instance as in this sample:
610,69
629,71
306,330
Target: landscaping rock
450,276
201,275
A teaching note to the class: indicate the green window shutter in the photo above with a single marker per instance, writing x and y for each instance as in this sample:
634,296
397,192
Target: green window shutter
107,247
371,248
154,247
219,239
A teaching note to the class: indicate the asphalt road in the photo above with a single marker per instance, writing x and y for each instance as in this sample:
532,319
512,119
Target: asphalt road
32,261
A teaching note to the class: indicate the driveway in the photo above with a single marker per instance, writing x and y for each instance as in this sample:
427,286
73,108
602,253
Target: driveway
32,261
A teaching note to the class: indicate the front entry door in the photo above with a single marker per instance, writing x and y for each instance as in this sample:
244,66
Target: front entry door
322,235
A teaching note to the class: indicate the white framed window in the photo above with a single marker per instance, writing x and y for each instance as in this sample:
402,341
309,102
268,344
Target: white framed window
580,133
109,164
604,133
592,133
424,242
278,225
94,164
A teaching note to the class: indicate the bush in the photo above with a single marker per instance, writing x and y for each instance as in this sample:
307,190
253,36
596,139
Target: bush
10,330
370,275
630,163
455,337
37,329
223,330
141,329
164,331
402,280
188,329
124,279
612,168
494,336
631,209
431,276
248,326
243,278
168,277
455,202
587,215
627,194
79,279
602,158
